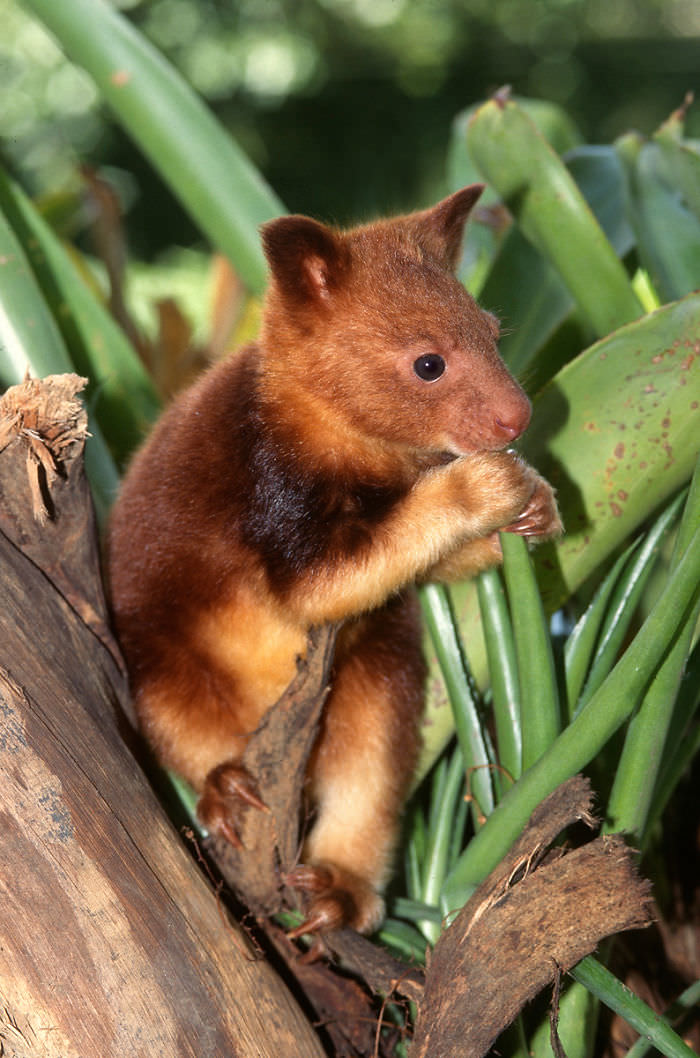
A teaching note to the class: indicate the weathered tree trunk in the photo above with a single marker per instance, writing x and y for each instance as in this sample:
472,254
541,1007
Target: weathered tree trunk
111,942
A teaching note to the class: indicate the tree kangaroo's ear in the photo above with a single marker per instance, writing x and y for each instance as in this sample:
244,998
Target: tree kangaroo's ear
439,230
307,260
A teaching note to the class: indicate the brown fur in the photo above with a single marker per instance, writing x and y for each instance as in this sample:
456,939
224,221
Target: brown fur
315,477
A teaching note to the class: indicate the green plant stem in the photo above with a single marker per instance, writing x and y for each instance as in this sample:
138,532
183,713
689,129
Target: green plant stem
584,737
606,987
436,860
120,391
643,753
687,1001
551,211
582,640
30,341
503,669
215,181
441,626
539,700
626,596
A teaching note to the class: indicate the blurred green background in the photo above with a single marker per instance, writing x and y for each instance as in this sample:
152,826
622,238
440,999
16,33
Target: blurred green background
345,105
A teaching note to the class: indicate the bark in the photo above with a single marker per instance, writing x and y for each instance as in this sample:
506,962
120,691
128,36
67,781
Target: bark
112,942
535,916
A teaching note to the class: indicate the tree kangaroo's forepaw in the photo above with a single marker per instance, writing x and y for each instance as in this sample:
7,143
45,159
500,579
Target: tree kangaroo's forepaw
227,789
539,517
338,899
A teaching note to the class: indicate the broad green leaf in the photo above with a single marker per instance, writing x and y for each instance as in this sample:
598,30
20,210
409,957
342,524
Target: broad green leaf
681,159
484,239
617,432
600,176
668,233
525,290
30,341
120,393
543,196
205,168
530,299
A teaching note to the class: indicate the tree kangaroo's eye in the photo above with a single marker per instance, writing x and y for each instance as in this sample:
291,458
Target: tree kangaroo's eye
429,367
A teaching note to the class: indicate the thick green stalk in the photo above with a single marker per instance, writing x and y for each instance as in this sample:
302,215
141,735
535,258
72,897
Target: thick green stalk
643,752
582,640
606,987
627,593
682,740
688,1001
586,735
539,699
441,626
503,668
215,181
439,840
551,211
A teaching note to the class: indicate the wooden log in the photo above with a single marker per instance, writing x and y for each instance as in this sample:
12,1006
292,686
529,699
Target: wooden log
112,943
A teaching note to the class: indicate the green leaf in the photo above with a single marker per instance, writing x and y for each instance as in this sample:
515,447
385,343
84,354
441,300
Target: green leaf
539,699
606,987
530,299
668,233
437,855
205,168
600,176
626,596
503,667
579,743
553,214
581,643
441,627
403,939
120,392
644,749
616,431
30,341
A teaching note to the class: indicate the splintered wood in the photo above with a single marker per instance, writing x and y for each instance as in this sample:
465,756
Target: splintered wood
47,420
536,914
